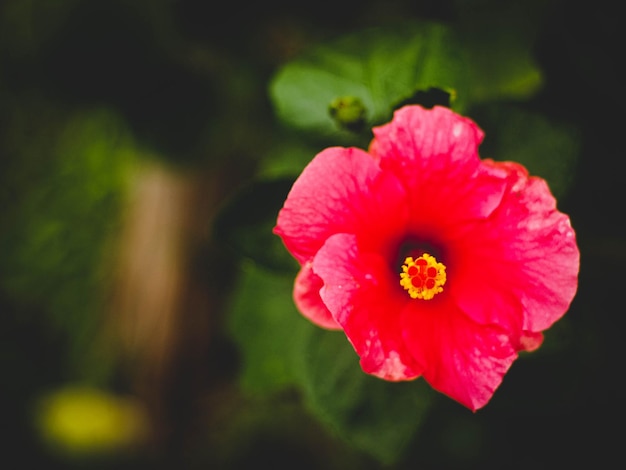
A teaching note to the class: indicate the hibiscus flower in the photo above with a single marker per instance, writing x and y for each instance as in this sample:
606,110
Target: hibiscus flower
433,262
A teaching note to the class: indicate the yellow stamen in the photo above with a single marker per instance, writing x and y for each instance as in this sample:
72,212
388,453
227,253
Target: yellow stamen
423,277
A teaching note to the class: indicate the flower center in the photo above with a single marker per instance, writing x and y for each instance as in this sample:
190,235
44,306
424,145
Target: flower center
423,277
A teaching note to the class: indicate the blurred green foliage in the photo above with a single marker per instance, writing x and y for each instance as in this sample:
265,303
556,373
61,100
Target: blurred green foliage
63,179
268,330
378,417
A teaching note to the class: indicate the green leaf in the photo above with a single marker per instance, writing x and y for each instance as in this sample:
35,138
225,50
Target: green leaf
500,66
383,68
374,415
379,67
546,147
348,112
280,348
245,224
267,328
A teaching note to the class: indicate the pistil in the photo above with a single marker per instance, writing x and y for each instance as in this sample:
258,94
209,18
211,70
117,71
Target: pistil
423,277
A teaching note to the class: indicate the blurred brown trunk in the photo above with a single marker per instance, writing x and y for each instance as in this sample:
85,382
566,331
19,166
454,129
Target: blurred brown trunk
168,300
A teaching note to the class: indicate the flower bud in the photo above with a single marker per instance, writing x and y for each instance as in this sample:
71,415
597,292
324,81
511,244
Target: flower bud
349,112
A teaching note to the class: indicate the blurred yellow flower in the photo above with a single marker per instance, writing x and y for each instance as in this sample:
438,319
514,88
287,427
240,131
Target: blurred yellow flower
80,420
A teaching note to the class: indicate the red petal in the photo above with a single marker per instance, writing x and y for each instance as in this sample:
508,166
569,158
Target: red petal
341,190
460,358
429,140
435,155
523,255
306,295
358,292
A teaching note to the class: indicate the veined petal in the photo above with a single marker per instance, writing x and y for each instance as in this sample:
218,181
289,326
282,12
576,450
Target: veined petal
358,292
460,358
444,205
524,254
435,155
306,296
488,304
421,140
341,190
